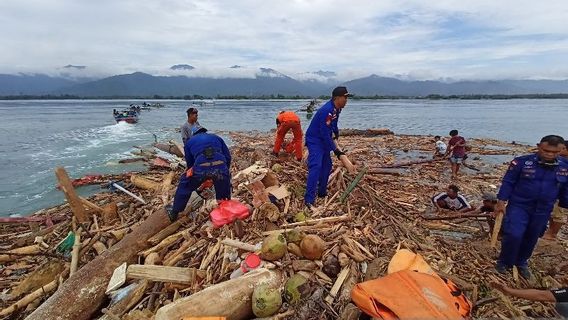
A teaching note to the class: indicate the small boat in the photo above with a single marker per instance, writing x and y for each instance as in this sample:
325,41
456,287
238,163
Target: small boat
128,116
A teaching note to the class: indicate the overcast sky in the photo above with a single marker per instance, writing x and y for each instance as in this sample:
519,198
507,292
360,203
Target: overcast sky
462,39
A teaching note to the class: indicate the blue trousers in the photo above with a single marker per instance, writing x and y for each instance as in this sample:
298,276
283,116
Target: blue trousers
522,226
319,168
187,185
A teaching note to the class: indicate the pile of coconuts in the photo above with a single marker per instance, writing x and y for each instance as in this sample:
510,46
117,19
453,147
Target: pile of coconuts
267,300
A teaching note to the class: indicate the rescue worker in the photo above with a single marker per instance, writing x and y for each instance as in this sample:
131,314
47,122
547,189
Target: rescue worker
559,215
187,127
286,121
319,141
208,161
530,188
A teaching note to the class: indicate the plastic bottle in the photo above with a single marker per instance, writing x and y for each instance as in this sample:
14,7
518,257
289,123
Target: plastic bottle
251,262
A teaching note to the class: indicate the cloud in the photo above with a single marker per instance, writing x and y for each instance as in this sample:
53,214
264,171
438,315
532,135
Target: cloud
413,39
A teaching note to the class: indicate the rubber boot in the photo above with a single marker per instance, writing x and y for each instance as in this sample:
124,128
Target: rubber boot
553,229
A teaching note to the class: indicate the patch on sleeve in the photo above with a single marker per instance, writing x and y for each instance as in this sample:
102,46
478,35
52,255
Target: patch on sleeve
328,119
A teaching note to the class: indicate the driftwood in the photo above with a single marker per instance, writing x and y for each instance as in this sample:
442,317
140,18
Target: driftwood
83,293
232,299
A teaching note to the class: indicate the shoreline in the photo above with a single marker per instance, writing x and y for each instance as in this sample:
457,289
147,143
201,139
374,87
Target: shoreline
384,212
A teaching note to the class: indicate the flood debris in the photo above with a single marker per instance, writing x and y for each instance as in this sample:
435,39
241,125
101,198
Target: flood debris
127,261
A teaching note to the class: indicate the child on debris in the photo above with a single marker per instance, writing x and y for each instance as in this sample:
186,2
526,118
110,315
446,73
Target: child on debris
441,148
451,200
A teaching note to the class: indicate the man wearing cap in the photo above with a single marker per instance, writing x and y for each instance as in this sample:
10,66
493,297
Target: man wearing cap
531,186
559,215
187,127
319,141
208,161
286,121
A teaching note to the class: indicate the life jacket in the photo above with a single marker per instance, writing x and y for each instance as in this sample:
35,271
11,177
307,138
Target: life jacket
286,116
409,294
411,290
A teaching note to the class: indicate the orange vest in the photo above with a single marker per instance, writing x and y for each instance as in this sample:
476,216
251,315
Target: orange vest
409,294
286,116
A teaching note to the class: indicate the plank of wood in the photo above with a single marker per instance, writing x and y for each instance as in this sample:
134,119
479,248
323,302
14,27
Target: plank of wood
496,228
161,273
118,278
315,221
91,205
75,203
338,283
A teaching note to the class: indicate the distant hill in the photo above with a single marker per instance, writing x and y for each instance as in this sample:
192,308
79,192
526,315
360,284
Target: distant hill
37,84
266,82
142,84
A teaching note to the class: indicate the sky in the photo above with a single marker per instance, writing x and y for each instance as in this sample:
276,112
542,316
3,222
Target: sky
442,39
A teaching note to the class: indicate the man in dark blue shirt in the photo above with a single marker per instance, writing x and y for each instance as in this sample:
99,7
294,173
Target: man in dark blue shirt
530,188
319,141
208,159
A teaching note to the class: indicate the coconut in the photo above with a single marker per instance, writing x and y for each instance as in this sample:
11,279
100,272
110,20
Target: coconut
312,247
294,236
296,288
277,167
300,216
273,247
266,301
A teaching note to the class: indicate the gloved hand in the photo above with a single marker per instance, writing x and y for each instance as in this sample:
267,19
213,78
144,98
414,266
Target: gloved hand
338,153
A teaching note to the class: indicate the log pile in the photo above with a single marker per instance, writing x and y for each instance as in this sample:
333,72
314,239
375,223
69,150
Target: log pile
171,270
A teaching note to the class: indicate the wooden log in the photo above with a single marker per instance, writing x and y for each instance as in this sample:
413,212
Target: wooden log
18,252
391,171
75,253
367,132
316,221
162,273
409,163
497,228
48,288
143,183
99,247
83,293
232,298
457,216
91,205
347,164
72,198
164,243
43,275
167,231
239,245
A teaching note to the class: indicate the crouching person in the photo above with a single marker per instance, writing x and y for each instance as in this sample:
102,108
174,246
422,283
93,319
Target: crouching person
208,161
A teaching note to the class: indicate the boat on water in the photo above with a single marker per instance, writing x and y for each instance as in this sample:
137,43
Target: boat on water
128,116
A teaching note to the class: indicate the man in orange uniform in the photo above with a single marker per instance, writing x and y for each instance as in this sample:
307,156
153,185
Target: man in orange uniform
285,121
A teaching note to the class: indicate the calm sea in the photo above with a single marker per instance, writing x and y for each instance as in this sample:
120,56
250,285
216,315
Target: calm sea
37,136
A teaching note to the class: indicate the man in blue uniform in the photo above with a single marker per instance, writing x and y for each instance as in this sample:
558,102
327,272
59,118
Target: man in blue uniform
319,141
208,160
530,188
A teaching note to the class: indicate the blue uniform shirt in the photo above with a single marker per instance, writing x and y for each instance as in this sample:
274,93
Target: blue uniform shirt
530,184
195,152
323,125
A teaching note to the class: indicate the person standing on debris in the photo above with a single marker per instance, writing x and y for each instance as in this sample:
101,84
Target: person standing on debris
441,147
286,121
559,296
529,189
319,141
187,127
452,200
559,215
456,151
208,161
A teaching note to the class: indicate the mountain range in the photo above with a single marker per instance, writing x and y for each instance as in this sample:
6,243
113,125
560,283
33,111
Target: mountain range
266,82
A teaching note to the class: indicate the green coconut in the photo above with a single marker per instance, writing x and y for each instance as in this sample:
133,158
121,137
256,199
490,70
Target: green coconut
266,301
294,236
277,167
273,247
300,216
296,288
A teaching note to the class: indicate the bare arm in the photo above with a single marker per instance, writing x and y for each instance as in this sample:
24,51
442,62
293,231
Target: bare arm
529,294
